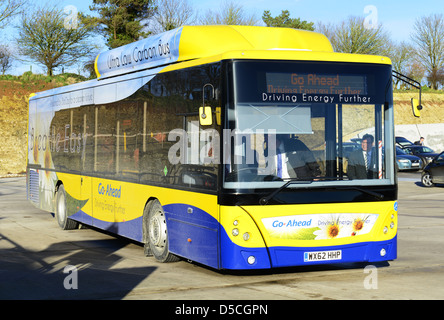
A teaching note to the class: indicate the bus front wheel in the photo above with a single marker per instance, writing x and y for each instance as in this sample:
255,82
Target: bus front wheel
156,237
61,211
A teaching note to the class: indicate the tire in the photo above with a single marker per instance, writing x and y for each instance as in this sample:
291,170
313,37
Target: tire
426,179
156,233
61,211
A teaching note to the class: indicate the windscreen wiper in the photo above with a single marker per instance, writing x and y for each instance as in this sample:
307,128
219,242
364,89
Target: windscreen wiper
377,195
264,200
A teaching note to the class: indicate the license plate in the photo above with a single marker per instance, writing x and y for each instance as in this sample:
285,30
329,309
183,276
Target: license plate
415,164
322,255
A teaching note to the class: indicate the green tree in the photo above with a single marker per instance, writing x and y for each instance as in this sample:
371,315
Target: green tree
121,21
44,38
284,20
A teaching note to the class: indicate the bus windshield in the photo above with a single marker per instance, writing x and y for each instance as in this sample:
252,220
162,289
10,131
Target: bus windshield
320,124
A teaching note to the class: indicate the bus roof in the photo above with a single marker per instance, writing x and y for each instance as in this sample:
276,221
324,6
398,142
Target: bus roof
135,64
195,42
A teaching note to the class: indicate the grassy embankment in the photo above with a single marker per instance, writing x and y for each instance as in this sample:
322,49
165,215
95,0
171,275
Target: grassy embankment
14,93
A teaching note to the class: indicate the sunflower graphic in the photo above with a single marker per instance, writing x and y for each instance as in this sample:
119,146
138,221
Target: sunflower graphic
345,225
42,156
362,224
330,228
48,178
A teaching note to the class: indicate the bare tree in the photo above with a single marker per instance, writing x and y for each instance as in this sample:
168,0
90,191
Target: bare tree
440,76
44,38
429,37
229,13
88,64
402,55
415,69
172,14
352,36
436,78
327,30
6,59
8,9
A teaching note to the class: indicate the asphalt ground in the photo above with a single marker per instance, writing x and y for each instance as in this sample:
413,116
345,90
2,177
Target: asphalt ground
40,261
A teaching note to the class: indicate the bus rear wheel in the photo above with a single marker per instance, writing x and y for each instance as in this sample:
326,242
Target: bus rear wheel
61,211
156,238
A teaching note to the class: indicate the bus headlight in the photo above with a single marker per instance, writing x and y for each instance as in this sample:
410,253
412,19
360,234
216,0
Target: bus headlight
235,232
251,259
246,236
385,230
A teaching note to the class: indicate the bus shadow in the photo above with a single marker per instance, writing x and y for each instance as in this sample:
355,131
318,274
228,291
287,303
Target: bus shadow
48,275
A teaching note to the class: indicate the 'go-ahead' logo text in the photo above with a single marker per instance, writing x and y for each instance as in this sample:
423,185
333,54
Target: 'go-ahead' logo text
291,223
110,191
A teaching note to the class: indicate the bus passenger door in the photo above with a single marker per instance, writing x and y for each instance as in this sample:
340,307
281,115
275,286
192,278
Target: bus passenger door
86,209
87,128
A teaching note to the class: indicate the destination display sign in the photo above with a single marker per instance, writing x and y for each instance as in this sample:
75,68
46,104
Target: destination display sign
316,88
151,52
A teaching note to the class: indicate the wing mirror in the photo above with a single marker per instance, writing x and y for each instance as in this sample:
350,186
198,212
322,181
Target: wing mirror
205,112
416,103
416,107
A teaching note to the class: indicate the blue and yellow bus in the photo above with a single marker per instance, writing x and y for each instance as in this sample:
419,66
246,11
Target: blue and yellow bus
232,146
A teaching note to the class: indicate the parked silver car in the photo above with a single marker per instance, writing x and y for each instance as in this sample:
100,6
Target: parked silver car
406,161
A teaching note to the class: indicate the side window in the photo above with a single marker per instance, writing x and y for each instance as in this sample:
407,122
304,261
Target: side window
129,136
172,102
60,132
88,130
69,137
160,119
106,139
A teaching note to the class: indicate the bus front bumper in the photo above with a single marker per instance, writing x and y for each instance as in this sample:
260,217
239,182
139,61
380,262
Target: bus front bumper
240,258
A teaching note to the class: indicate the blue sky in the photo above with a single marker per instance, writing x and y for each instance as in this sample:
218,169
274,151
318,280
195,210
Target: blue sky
396,16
